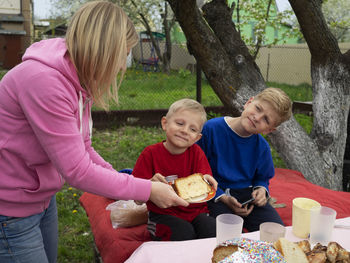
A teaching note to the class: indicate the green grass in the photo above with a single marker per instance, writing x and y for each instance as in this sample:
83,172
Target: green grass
301,92
149,90
75,237
2,73
121,146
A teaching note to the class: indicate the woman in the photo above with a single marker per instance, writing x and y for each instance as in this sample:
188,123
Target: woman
45,129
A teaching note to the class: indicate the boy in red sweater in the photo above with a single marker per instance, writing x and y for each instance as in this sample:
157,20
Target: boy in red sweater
178,155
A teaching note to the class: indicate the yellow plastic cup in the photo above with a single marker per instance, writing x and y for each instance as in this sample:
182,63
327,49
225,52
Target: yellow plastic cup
301,216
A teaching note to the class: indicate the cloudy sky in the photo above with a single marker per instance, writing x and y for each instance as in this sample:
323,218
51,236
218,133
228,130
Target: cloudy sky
42,7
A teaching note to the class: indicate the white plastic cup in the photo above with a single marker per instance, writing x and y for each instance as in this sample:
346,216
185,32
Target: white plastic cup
301,216
321,224
228,226
271,232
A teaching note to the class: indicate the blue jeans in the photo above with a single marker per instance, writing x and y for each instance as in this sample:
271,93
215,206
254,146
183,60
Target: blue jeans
32,239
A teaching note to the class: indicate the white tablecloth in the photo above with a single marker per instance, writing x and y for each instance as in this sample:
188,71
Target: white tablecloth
201,250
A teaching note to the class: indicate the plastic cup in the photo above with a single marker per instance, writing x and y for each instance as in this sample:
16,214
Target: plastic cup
321,224
271,232
301,216
228,226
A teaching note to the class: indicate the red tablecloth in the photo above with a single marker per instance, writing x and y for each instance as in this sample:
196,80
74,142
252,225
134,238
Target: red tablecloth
116,245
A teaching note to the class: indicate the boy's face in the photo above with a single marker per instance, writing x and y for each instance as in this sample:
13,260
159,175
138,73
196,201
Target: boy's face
182,130
259,117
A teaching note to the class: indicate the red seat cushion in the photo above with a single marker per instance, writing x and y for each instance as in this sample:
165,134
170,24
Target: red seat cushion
289,184
114,245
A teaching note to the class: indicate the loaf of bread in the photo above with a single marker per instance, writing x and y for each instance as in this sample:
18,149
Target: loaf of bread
291,252
319,253
192,186
221,252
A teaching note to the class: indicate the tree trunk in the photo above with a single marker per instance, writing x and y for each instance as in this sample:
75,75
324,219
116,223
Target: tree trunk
167,52
234,76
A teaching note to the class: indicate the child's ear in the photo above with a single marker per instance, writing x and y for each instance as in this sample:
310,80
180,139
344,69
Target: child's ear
163,122
248,102
199,136
269,131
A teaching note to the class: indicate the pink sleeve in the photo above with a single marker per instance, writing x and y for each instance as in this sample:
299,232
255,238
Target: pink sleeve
95,157
51,110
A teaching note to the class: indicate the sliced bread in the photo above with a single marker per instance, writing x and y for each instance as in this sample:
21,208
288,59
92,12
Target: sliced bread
192,186
291,252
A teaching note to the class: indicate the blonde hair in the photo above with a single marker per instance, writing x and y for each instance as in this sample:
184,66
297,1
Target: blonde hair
187,104
279,101
98,38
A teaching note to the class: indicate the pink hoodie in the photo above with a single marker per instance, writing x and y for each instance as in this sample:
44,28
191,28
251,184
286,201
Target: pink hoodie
41,144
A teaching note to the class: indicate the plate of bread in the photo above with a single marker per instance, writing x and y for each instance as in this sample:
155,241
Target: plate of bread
303,252
194,188
285,251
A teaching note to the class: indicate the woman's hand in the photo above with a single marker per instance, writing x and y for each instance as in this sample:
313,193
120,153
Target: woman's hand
260,196
236,206
210,179
164,196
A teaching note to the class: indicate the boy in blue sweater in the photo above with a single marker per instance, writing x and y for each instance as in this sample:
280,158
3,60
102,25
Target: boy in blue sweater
240,158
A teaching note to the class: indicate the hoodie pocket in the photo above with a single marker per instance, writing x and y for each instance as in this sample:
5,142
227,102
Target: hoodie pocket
47,180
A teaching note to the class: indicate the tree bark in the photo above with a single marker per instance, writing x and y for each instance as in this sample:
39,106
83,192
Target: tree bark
234,76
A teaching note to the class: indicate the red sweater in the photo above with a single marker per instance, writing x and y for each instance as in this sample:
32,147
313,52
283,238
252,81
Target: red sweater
157,159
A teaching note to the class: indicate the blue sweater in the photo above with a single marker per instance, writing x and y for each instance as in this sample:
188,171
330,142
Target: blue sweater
236,162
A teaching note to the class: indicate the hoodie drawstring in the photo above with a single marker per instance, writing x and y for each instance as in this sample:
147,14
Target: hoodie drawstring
81,111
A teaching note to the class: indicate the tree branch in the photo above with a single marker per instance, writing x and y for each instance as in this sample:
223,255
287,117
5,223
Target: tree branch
207,50
258,43
219,17
311,19
149,32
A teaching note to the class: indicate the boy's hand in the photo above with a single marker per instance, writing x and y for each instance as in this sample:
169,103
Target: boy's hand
260,196
164,196
210,179
159,178
236,206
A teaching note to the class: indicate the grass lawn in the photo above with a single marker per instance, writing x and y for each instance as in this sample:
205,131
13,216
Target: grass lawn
147,90
121,146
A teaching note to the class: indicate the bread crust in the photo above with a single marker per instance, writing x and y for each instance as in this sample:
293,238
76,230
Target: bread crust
223,251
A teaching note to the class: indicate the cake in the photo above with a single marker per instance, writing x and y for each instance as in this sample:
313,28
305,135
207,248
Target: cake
192,186
246,250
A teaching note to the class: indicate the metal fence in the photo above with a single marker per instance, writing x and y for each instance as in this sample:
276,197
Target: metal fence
288,64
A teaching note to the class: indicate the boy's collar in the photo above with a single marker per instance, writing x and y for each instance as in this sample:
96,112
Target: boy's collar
230,121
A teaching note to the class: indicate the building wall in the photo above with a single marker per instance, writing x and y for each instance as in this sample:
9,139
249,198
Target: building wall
12,7
28,13
16,30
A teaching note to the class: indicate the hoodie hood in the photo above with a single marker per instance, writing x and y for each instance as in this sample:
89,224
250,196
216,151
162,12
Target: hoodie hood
53,53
